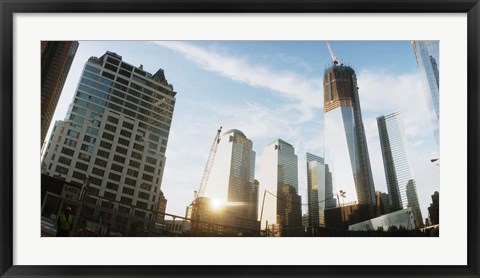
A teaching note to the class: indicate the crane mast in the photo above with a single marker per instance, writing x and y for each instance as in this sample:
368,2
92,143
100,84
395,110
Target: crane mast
208,168
335,59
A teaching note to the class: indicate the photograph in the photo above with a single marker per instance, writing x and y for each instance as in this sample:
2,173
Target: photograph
240,138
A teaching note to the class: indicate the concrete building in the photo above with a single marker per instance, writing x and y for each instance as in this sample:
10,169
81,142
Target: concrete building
346,150
114,138
56,60
281,205
401,184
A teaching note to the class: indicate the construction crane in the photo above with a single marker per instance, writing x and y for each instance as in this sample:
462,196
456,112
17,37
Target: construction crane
335,59
208,168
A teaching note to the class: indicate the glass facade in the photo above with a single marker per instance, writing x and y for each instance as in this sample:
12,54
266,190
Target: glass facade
346,151
316,190
402,219
231,181
400,181
279,167
115,132
427,54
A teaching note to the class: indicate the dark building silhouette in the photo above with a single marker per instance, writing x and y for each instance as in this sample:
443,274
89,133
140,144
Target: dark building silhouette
289,211
56,59
433,209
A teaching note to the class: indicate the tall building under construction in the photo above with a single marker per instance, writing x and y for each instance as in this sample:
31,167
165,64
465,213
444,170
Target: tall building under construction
346,150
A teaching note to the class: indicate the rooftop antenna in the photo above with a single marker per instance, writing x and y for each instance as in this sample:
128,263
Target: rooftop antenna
335,59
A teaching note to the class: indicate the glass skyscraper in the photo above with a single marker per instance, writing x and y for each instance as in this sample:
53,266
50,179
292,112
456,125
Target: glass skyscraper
401,185
231,180
346,151
427,55
279,176
114,137
316,189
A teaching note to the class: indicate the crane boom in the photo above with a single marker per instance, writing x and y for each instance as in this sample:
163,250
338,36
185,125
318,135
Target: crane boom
208,168
335,59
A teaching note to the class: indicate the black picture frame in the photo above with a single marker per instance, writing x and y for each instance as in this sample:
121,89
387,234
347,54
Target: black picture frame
10,7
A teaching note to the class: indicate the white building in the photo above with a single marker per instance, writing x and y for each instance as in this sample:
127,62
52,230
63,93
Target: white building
115,133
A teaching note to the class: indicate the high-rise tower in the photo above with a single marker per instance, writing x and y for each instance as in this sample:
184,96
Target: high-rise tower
281,206
346,150
427,55
56,59
115,136
316,190
401,185
231,178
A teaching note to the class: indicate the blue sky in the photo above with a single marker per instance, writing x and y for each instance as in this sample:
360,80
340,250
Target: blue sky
270,90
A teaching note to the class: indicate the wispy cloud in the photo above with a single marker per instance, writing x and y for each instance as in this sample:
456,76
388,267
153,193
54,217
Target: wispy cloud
303,93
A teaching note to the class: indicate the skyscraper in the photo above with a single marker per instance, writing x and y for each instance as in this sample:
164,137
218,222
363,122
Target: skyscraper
231,180
56,59
114,137
401,186
346,150
427,55
279,177
316,190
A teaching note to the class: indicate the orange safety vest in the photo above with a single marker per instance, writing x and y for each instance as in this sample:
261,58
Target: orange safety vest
64,223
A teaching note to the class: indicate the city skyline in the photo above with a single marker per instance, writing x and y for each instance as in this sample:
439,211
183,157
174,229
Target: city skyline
255,94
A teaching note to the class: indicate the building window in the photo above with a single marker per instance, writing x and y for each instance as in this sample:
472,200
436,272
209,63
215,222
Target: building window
112,186
149,169
151,160
118,158
137,155
143,195
103,153
61,170
84,156
132,173
108,136
125,133
78,175
81,166
98,172
117,168
128,191
138,147
89,139
92,131
127,125
67,151
130,181
147,177
125,200
114,177
121,150
100,162
134,163
109,195
87,148
72,133
105,145
63,160
124,142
